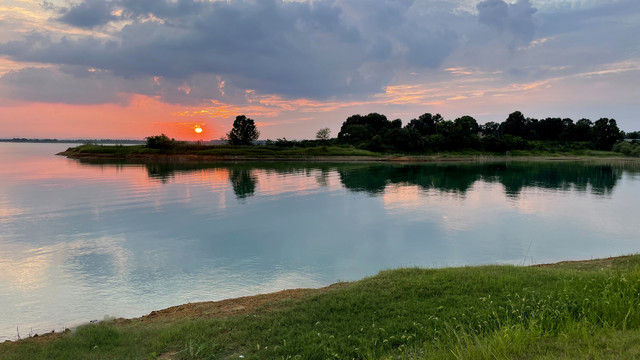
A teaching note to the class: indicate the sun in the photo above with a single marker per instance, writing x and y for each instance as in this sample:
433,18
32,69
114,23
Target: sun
198,129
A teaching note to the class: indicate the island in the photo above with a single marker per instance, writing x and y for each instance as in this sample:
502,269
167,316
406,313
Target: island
373,137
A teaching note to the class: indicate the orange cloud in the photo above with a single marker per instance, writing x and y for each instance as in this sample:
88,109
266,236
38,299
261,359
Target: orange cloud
31,16
266,106
7,65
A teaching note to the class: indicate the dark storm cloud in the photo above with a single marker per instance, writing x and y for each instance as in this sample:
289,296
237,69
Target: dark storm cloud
494,13
295,49
88,14
164,9
517,20
313,49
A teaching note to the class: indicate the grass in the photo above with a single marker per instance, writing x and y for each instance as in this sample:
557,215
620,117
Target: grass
579,152
222,151
568,310
277,152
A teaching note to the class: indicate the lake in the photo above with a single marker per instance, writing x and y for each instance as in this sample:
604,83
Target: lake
81,240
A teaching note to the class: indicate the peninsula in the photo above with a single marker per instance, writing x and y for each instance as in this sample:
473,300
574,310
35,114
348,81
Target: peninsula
373,137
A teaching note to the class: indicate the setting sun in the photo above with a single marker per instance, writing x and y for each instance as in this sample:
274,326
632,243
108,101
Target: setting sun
198,129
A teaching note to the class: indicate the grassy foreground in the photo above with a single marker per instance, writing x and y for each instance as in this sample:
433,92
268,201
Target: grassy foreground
584,310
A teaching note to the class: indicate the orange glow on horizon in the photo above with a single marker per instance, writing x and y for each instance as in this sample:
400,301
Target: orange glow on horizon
143,116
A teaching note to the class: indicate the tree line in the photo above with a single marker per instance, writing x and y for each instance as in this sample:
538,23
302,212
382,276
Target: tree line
432,133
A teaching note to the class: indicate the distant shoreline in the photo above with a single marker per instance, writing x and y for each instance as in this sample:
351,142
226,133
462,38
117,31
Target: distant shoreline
76,141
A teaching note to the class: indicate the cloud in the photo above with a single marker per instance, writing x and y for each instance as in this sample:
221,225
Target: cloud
226,56
494,13
316,49
55,86
517,20
87,14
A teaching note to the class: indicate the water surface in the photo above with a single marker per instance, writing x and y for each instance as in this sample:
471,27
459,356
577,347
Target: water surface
81,240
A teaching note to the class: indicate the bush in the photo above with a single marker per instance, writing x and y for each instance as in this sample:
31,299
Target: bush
627,148
285,143
161,142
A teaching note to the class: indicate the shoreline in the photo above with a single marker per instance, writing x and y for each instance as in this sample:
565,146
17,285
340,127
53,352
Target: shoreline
443,158
270,301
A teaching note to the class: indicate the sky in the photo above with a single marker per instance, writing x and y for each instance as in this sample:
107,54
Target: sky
128,69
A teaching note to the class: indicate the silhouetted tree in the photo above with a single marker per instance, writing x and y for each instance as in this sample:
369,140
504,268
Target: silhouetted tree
244,131
425,124
582,130
467,124
358,129
633,135
464,134
568,131
550,128
490,128
432,133
605,133
514,125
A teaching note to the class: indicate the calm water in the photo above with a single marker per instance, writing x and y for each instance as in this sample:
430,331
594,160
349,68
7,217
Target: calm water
79,241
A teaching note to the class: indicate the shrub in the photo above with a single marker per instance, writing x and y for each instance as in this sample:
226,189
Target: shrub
161,142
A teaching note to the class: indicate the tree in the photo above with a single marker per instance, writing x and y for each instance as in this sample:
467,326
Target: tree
514,125
635,135
358,128
464,134
491,128
323,134
550,128
582,130
605,133
468,125
425,124
244,131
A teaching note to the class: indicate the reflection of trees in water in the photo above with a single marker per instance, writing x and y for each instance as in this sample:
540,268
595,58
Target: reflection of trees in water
600,179
243,182
597,178
162,172
322,177
242,177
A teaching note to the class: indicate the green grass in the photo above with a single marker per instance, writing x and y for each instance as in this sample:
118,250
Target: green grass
222,150
568,310
579,152
276,152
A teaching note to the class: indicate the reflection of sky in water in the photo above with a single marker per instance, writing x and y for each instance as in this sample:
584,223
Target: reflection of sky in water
80,241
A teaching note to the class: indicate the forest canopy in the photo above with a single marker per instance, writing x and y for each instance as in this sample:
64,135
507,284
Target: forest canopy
432,133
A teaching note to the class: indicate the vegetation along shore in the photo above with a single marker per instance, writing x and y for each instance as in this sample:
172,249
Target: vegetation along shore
569,310
373,137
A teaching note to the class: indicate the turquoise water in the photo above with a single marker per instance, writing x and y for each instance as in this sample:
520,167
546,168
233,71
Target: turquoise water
79,240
